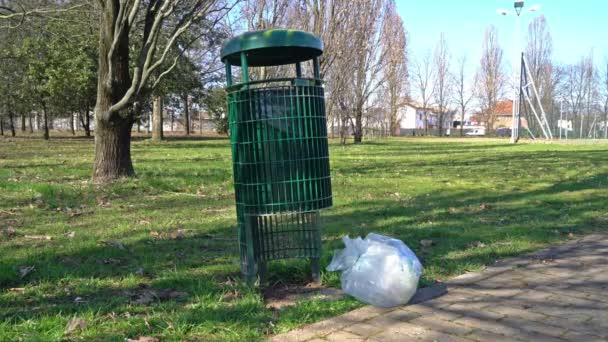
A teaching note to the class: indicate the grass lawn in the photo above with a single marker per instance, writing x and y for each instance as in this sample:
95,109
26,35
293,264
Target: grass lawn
157,255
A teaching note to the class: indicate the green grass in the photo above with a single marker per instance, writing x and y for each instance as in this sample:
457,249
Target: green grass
513,199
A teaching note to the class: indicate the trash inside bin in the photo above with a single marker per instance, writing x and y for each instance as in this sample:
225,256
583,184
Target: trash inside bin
378,270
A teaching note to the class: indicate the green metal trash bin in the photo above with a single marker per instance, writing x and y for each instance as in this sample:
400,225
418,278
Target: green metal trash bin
278,135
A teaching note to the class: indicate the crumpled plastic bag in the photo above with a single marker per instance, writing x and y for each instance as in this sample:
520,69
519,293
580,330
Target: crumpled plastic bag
378,270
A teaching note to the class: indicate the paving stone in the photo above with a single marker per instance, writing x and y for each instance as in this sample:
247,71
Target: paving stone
511,311
537,327
401,332
343,336
576,336
489,325
518,299
393,317
365,313
483,336
363,329
443,312
435,336
298,335
440,325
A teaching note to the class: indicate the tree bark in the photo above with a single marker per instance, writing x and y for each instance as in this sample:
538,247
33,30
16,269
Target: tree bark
113,150
112,126
31,124
45,119
1,125
22,122
186,115
157,120
11,123
72,128
358,131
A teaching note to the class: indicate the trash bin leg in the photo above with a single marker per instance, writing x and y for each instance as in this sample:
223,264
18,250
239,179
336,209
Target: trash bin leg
263,272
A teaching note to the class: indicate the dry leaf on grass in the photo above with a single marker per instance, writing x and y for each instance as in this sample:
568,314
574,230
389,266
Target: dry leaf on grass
144,339
75,323
147,296
39,237
477,244
25,270
17,289
178,234
103,202
9,232
427,243
70,234
115,244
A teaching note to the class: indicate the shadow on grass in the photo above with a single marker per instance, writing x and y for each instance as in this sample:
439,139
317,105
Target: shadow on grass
202,262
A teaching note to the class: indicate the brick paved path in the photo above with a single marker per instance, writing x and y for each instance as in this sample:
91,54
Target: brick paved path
558,294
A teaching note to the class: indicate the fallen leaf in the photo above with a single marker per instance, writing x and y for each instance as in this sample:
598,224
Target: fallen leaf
427,243
39,237
70,234
231,295
144,339
147,296
75,323
115,244
17,289
179,234
103,202
25,270
111,261
9,231
144,222
477,244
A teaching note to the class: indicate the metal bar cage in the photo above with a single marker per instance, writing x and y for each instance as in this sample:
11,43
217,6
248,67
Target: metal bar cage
280,154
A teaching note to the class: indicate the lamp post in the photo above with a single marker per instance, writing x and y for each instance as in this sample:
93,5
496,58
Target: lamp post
518,10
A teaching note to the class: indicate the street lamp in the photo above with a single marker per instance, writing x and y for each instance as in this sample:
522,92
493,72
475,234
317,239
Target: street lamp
519,9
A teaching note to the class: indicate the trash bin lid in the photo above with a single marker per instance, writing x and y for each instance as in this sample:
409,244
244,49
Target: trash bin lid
272,47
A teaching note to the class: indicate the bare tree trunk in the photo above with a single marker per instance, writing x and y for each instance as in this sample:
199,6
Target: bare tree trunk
45,119
172,120
112,126
358,129
157,122
31,123
113,150
11,123
1,125
22,122
200,122
72,128
186,115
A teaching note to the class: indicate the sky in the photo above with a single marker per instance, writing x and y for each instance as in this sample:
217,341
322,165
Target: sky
575,25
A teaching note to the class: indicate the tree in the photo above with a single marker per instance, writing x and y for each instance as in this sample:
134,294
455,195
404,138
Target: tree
463,93
124,83
605,94
425,82
368,57
394,44
443,89
490,78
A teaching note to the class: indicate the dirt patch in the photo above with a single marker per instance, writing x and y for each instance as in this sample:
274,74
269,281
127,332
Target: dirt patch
280,296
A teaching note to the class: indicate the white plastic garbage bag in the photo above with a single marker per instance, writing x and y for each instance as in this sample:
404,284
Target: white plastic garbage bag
377,270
